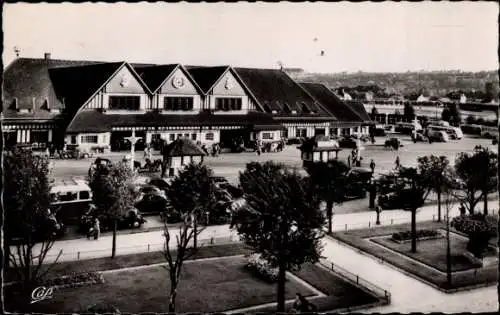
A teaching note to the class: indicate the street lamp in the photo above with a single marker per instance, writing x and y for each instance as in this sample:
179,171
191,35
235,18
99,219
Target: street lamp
378,209
208,214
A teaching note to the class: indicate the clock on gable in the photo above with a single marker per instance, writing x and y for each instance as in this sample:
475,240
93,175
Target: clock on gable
229,84
125,80
178,82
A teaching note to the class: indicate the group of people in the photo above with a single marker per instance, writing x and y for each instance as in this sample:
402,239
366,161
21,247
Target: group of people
94,230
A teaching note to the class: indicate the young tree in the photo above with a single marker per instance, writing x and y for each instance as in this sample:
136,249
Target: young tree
280,218
190,193
111,193
26,201
435,172
476,174
329,180
408,111
415,191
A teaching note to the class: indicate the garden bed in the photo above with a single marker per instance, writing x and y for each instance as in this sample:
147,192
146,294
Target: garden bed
422,235
206,286
428,263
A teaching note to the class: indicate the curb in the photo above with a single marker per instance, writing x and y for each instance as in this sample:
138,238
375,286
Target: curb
407,273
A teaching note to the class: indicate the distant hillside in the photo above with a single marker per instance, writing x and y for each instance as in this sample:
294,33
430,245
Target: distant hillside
436,83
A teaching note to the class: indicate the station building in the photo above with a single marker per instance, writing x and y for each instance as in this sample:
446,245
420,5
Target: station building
94,105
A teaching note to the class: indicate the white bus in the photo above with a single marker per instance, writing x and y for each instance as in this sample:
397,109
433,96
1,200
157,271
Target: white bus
453,132
70,198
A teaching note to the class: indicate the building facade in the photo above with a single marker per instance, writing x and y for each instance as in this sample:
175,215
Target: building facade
93,105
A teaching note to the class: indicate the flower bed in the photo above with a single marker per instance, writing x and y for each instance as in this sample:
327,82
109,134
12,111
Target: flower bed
75,280
422,235
261,267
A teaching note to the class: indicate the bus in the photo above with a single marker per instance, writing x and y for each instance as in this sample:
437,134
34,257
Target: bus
489,132
70,198
407,127
453,132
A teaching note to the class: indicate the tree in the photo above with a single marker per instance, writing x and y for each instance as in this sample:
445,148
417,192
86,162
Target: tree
491,92
26,201
329,180
374,111
195,191
112,194
408,111
280,218
414,189
435,172
452,115
479,228
476,174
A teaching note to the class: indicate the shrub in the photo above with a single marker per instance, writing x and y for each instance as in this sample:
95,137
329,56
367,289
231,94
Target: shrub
479,228
406,235
262,267
75,279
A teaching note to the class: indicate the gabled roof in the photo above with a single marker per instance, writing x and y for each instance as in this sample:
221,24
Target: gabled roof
332,102
77,84
359,109
183,147
206,77
276,91
26,78
154,76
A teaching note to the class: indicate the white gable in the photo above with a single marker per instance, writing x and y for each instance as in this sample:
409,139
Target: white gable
228,85
178,83
124,82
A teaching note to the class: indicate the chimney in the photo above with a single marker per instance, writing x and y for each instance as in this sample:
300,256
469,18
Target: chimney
47,56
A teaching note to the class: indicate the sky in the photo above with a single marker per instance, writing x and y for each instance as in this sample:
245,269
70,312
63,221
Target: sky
318,37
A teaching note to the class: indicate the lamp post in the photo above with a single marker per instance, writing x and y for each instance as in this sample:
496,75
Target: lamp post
208,215
133,139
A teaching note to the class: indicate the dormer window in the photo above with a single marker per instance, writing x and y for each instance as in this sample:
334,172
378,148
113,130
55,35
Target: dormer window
304,108
294,112
267,108
287,108
15,104
274,112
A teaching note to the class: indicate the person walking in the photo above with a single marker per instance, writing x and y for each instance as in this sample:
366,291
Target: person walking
97,229
349,161
372,166
397,162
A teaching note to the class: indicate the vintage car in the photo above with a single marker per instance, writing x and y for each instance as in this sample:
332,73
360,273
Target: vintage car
131,218
357,183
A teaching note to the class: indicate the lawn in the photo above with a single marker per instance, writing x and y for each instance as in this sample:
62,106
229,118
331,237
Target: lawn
214,285
433,252
462,278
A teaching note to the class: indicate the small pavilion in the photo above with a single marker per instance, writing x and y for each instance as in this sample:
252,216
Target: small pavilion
319,149
179,153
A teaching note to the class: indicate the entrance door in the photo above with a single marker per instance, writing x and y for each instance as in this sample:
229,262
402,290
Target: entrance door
319,132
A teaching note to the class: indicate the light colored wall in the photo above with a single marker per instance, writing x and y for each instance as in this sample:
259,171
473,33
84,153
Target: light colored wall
233,89
132,87
187,89
275,133
103,139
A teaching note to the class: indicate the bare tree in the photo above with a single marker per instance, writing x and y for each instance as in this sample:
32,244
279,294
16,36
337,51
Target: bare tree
183,252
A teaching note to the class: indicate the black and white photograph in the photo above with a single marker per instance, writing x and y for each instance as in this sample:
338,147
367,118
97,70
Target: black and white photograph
245,158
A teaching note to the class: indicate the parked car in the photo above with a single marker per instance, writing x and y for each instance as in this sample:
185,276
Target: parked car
438,136
152,200
419,137
393,143
394,200
131,218
357,183
348,142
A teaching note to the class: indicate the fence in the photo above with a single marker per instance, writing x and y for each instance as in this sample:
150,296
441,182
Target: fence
378,291
373,224
136,249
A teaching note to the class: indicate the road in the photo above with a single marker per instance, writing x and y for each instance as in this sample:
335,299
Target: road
229,164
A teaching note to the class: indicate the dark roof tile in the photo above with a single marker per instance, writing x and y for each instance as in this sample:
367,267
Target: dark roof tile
155,75
183,147
206,77
276,91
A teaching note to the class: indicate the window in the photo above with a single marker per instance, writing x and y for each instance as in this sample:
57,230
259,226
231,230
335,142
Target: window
70,196
88,139
125,102
73,139
193,136
179,135
209,136
304,107
301,133
227,104
178,103
186,135
84,195
267,136
171,137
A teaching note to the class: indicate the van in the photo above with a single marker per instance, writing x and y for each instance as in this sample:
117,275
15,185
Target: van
70,198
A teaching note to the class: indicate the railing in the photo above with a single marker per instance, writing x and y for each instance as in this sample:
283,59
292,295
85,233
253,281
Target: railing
356,279
146,248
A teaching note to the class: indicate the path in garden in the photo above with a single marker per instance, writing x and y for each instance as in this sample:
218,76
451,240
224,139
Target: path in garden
407,293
